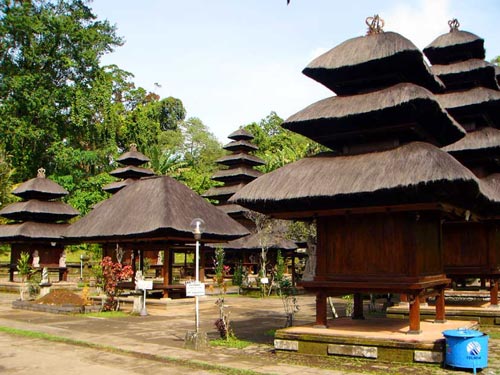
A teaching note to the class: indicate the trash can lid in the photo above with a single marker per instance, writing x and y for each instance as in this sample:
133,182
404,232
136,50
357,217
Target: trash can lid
465,333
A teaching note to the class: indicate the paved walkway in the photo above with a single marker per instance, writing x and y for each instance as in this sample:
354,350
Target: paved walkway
159,337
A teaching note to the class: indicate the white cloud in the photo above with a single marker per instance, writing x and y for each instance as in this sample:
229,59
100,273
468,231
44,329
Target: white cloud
420,22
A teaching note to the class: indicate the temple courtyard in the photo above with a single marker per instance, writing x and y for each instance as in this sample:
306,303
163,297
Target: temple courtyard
155,343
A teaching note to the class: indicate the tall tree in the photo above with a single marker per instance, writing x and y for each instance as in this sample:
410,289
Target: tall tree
51,84
277,145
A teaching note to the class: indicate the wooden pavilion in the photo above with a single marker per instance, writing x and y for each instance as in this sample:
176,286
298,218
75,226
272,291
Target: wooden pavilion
37,224
153,214
471,248
380,196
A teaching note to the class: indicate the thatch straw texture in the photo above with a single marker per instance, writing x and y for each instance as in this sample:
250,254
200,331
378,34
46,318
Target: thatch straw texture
155,208
455,46
133,158
404,111
253,242
222,191
232,209
240,134
10,233
36,210
240,173
115,186
467,74
413,173
371,62
483,139
240,158
40,188
240,145
468,98
131,172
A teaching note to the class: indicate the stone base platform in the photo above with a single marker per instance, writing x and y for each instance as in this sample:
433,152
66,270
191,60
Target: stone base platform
477,310
379,339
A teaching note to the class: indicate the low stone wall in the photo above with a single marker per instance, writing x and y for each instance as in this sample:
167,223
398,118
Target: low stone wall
55,309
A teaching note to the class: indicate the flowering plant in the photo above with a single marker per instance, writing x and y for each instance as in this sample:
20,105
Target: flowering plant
113,273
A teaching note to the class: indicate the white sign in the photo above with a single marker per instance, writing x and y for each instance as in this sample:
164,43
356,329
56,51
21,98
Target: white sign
194,289
264,280
145,284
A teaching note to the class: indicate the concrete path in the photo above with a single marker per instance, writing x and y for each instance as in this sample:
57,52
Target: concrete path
154,344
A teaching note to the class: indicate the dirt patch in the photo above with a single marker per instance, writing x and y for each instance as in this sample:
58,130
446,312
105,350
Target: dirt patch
61,297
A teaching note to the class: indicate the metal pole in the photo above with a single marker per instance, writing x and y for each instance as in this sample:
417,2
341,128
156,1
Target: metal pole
197,275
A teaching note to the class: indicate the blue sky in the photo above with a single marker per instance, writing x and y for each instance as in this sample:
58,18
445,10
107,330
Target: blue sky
232,62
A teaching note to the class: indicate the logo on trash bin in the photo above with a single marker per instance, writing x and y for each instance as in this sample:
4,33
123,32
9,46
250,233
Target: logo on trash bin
474,349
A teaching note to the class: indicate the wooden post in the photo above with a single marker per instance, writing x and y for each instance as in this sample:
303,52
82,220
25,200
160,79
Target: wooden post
358,307
414,314
321,310
494,292
440,307
202,263
166,271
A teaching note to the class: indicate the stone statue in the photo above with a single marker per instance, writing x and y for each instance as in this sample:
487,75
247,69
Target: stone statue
310,268
62,259
160,258
138,277
36,259
45,276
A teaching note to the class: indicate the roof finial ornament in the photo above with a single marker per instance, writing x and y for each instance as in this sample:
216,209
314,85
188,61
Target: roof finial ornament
133,147
375,25
41,172
454,24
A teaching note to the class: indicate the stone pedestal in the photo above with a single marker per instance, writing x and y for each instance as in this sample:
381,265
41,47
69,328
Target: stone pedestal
196,340
44,289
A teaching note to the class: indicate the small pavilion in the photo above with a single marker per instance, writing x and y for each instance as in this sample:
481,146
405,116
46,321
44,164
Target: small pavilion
380,195
37,224
153,214
471,245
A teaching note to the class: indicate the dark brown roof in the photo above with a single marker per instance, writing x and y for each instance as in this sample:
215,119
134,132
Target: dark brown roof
372,62
413,173
131,172
156,208
10,233
40,188
240,134
222,191
241,145
455,46
233,209
133,157
36,210
254,242
467,74
407,111
236,174
240,158
479,105
115,186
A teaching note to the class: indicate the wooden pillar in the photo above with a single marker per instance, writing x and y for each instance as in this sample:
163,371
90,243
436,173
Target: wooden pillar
12,265
494,292
440,307
294,276
321,310
141,261
202,263
414,314
165,271
358,307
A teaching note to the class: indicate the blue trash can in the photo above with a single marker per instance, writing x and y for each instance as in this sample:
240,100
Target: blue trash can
466,348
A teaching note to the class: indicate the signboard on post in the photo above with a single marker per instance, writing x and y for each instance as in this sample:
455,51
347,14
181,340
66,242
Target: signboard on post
195,288
145,284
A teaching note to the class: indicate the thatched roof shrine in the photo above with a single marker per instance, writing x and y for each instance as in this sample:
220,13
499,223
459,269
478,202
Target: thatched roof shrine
371,62
254,242
153,209
405,111
40,188
240,158
239,145
467,74
29,231
241,134
236,174
410,174
455,46
474,108
133,157
131,171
